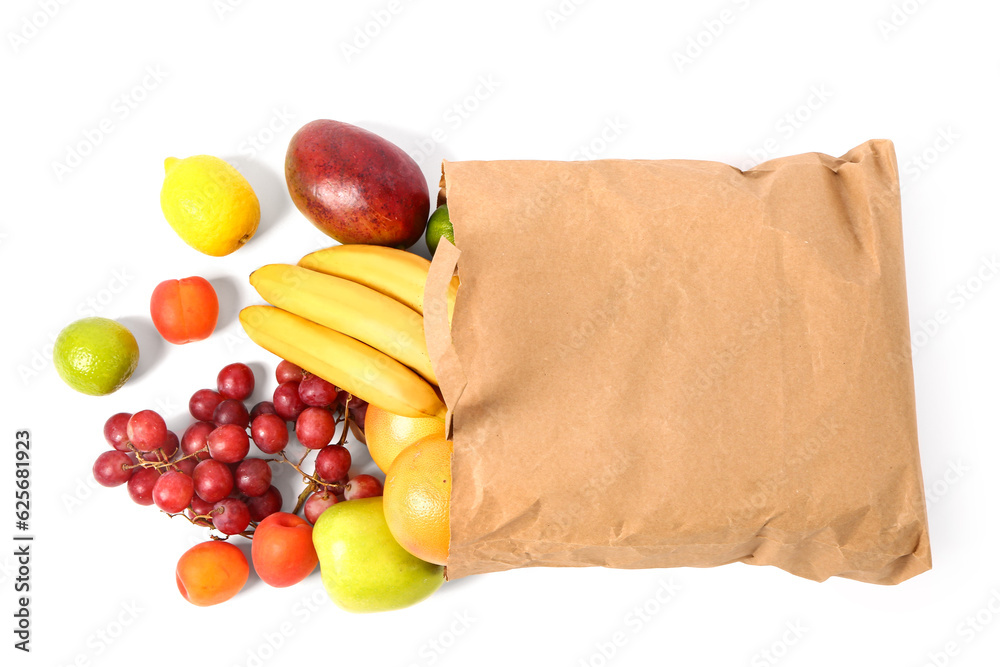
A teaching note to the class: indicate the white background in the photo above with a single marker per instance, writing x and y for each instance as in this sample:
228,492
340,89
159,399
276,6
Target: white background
530,80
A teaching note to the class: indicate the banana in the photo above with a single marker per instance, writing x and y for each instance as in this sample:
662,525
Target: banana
350,308
350,364
396,273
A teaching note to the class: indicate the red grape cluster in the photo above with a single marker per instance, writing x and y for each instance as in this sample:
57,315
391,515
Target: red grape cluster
208,474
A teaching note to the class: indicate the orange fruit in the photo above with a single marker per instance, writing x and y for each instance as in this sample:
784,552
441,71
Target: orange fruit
417,498
388,434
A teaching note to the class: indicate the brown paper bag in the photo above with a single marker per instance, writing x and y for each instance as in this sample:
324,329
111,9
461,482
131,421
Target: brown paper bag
676,363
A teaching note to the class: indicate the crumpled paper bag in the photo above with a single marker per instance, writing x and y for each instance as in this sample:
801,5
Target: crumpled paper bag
677,363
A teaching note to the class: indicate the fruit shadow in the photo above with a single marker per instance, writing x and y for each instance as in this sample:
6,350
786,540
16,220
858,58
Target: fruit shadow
416,144
152,347
253,580
449,586
261,374
271,191
229,299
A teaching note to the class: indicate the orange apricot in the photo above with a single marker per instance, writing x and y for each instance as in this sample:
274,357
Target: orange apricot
211,572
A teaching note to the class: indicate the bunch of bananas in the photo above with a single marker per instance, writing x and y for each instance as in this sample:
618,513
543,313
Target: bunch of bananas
353,315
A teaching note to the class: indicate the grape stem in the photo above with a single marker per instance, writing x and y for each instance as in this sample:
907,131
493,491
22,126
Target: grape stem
312,482
208,517
347,424
193,519
306,477
301,500
157,465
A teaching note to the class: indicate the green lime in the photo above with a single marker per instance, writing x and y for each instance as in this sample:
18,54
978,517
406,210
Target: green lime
95,355
439,225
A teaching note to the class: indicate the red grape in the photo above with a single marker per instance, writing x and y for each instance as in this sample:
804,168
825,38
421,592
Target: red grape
333,462
362,486
342,399
186,466
212,480
236,381
231,516
264,505
170,447
316,391
253,477
147,430
315,427
358,410
140,485
287,403
164,453
116,431
231,411
288,372
111,468
196,439
317,503
200,507
155,456
173,491
228,443
203,403
270,432
262,408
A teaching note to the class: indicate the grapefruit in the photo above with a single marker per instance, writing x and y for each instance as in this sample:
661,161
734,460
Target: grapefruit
417,498
388,434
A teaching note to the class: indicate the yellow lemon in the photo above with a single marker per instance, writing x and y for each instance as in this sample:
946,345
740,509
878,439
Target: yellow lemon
209,204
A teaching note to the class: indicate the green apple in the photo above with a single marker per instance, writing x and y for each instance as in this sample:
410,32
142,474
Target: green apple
363,567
